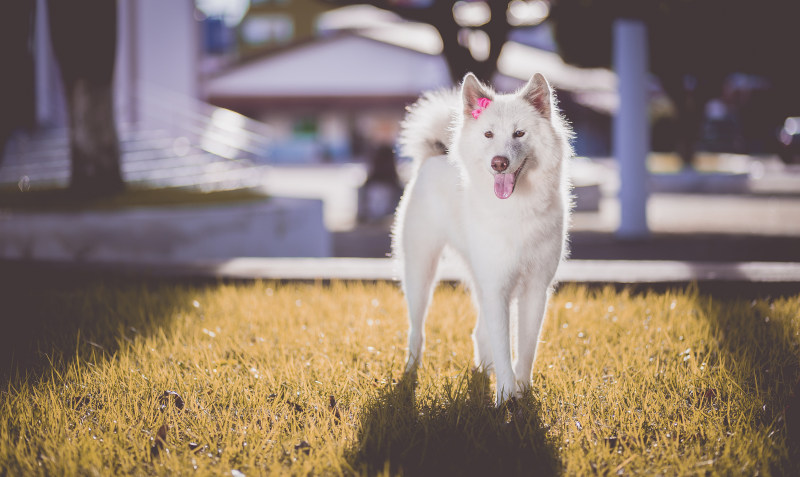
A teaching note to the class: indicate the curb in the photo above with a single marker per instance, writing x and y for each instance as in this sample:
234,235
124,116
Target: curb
622,272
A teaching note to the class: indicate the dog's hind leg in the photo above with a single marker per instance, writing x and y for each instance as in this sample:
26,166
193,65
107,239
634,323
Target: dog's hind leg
418,285
420,246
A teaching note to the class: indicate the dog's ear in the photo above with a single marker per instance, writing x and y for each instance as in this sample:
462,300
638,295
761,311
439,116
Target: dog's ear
471,91
537,92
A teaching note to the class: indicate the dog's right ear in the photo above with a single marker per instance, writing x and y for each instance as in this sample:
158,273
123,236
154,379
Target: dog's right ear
471,91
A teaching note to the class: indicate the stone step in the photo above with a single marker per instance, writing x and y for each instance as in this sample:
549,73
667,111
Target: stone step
218,172
192,163
59,157
226,176
47,143
150,159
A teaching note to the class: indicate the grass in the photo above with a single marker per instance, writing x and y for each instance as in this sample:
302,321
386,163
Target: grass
266,378
64,200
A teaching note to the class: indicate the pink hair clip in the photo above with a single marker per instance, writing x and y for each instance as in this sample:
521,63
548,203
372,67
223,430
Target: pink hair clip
483,103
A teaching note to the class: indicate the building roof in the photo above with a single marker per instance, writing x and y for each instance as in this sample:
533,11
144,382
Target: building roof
341,67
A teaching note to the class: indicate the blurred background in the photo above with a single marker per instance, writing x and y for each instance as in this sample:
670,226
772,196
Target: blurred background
300,101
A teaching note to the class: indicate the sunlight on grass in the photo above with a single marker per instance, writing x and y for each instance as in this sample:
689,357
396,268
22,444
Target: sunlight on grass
305,379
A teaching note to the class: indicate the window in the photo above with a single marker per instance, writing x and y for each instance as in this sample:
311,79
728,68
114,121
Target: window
264,29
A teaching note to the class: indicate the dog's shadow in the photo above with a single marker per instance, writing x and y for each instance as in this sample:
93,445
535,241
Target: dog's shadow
461,433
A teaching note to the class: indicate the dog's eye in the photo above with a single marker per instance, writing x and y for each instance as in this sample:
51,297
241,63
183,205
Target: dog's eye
519,133
489,134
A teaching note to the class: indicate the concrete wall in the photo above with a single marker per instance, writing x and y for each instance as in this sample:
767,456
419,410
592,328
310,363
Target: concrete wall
277,227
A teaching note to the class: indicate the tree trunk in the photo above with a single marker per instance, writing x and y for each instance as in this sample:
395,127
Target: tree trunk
17,96
84,37
93,141
459,59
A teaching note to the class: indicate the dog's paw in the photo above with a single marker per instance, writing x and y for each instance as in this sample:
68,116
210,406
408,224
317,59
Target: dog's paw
523,387
502,397
412,366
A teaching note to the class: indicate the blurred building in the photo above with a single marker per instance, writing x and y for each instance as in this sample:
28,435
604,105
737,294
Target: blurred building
341,93
158,47
275,23
332,83
169,136
332,98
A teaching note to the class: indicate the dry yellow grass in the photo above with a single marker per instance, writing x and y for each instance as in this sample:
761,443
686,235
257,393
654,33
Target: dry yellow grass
305,379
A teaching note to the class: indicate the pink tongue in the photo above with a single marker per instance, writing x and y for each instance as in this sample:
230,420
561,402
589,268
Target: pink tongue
503,185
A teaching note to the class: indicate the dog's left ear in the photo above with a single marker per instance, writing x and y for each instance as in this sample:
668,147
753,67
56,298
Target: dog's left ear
538,93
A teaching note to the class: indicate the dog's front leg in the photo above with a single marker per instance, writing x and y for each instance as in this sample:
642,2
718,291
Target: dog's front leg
484,361
494,311
419,267
532,305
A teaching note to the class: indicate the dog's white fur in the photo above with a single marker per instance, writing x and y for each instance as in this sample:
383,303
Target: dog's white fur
511,247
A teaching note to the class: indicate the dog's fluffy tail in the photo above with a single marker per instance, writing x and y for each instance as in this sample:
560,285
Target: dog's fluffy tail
427,128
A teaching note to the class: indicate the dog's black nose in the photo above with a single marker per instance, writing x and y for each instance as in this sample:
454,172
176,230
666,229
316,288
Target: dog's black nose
499,163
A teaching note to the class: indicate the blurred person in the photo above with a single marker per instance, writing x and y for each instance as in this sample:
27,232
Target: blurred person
381,191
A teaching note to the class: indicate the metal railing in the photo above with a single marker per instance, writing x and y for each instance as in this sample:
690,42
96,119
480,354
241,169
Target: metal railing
219,131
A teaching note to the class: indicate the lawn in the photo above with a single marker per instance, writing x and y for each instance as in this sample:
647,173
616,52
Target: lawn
260,378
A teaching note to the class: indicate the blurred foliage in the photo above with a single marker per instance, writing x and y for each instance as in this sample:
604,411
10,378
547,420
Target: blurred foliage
694,46
738,33
456,52
702,38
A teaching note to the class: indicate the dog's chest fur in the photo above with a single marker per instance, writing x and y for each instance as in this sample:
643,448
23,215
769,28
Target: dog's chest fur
518,233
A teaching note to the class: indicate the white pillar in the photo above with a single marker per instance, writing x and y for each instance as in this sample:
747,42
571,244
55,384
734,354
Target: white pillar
166,48
632,126
126,63
50,103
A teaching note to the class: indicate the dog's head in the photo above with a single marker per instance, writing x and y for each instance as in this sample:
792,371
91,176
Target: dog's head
505,135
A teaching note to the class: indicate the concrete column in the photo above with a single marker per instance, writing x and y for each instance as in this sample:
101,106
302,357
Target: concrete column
125,69
50,105
632,126
166,51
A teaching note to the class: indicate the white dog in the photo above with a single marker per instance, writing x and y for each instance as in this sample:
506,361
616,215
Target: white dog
490,183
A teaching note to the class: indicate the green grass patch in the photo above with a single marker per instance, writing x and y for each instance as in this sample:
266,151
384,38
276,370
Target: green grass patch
64,200
266,378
